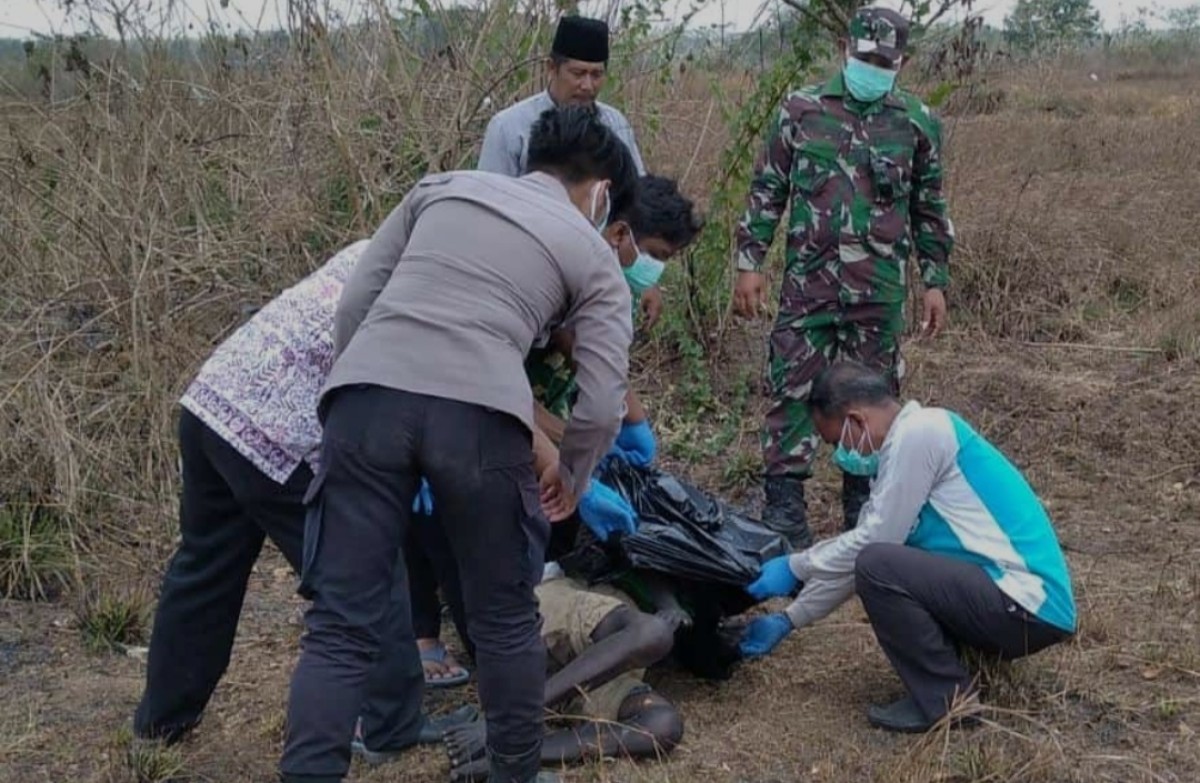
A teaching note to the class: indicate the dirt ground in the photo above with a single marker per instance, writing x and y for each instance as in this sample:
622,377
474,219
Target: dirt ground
1074,298
1119,703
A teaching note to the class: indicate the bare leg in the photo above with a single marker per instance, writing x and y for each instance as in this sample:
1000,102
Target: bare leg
649,726
624,640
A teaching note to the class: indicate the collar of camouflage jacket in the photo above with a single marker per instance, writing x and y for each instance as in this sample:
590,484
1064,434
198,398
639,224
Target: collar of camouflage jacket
836,88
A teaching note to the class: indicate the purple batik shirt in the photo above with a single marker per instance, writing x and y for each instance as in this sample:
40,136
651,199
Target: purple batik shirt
259,389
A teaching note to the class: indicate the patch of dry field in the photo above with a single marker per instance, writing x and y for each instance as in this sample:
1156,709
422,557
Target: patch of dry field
1074,349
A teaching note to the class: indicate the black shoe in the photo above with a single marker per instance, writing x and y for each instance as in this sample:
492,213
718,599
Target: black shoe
906,717
903,716
855,492
786,512
432,732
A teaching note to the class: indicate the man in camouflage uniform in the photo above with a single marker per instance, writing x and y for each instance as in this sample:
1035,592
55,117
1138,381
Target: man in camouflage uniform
859,163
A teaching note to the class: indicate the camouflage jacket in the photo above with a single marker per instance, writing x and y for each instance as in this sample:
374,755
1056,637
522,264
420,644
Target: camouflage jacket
865,185
552,376
552,379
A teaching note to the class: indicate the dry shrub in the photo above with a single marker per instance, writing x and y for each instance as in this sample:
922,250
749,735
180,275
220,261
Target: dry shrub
1072,226
136,760
163,198
110,620
974,100
36,560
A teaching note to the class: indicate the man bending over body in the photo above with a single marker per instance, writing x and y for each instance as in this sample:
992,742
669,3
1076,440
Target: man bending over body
658,224
598,645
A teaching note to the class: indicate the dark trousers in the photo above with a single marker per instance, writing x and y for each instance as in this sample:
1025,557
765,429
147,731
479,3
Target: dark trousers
431,563
227,508
924,606
479,463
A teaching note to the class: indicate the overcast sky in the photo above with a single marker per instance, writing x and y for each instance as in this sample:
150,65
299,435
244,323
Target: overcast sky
19,18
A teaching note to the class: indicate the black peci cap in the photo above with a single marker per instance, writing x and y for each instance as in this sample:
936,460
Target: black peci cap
580,38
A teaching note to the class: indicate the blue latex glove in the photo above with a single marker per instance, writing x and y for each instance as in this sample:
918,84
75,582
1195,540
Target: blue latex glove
423,502
774,580
636,444
605,512
764,634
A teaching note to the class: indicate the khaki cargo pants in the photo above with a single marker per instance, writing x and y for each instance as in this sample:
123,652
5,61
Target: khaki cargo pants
570,613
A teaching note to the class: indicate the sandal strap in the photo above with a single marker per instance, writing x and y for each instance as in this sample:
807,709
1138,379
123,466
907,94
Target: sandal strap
435,654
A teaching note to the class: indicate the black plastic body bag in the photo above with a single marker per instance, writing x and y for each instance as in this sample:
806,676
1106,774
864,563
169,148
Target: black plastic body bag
706,549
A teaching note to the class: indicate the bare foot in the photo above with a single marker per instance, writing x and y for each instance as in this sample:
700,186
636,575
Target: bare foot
466,743
476,770
440,666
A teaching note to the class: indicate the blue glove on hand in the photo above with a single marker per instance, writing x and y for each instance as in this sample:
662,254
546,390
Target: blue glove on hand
635,444
774,580
764,634
423,502
606,512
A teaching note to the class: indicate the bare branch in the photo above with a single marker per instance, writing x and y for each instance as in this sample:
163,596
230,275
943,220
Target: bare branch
806,10
942,9
840,13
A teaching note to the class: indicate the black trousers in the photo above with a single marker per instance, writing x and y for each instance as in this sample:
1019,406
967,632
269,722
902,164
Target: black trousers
923,607
227,508
377,445
431,564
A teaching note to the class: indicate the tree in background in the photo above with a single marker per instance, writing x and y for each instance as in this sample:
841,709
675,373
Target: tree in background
1038,25
1184,20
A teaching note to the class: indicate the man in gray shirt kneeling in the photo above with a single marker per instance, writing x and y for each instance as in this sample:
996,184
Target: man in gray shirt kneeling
430,340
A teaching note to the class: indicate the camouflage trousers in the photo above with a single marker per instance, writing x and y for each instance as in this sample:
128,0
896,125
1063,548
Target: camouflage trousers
800,348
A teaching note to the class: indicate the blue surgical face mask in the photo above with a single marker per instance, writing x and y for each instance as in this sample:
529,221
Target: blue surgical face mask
644,272
868,83
852,460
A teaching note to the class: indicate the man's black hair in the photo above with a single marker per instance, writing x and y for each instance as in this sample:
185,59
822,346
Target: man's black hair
573,144
660,210
847,383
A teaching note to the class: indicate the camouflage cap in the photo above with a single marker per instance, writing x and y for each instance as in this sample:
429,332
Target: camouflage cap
881,31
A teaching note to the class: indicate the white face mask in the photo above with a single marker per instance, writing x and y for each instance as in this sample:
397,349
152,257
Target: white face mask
599,219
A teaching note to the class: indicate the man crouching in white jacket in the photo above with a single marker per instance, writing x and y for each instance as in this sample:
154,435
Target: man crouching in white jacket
953,549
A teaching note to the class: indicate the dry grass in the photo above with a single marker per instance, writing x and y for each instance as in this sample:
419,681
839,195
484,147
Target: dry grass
35,552
142,218
111,621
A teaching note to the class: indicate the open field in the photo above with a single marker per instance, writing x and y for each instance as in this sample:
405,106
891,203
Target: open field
130,247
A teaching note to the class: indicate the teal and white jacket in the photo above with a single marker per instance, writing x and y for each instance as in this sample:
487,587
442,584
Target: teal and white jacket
943,488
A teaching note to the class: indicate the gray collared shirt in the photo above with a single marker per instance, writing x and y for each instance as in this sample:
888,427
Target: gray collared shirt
506,142
460,279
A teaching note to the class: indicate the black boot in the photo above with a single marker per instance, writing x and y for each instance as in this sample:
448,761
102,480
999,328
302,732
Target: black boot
855,491
785,512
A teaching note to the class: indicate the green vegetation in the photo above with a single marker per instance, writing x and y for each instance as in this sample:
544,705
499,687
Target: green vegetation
35,552
111,621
